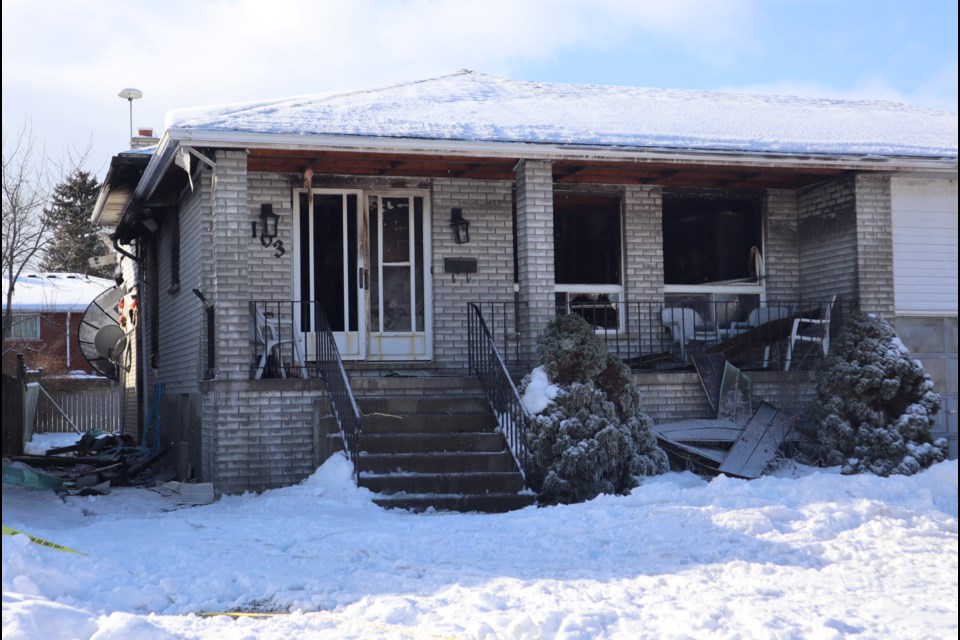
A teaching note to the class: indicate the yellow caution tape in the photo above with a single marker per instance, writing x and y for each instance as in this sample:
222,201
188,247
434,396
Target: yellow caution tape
10,531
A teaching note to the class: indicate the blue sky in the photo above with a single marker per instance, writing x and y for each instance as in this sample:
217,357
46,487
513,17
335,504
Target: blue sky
64,61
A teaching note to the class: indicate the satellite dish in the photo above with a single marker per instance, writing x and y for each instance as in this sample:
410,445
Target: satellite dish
110,342
102,339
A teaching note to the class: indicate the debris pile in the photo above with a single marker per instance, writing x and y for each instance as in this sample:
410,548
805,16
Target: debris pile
97,461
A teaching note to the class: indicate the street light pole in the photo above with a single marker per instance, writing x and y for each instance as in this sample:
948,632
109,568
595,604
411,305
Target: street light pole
131,94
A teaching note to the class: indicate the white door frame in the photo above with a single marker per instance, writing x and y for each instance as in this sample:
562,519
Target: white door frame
351,344
417,344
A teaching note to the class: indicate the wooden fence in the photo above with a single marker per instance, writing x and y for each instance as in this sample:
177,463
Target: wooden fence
89,403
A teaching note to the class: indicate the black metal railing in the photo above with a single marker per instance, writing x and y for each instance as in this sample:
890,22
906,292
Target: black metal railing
491,370
294,339
774,334
665,334
330,367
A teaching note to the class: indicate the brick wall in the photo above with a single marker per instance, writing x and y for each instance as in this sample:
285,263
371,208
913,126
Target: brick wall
271,278
828,237
875,245
782,245
264,432
668,397
488,206
535,251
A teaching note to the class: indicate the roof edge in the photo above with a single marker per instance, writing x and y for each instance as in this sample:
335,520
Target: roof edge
543,151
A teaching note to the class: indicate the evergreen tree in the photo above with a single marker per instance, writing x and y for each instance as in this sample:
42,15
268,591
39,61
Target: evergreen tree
594,437
875,405
75,239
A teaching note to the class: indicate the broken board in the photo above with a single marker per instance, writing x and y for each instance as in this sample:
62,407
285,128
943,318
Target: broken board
736,395
758,444
699,430
710,368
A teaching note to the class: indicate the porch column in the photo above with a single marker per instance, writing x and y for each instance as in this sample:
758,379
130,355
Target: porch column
875,245
228,279
534,252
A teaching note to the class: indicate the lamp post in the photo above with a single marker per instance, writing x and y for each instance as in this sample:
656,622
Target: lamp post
130,95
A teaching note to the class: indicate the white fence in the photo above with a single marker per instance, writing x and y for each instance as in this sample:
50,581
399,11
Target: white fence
89,403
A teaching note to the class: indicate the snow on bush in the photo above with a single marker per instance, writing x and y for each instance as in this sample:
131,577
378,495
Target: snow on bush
875,405
592,438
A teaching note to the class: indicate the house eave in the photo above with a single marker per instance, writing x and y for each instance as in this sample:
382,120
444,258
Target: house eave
549,151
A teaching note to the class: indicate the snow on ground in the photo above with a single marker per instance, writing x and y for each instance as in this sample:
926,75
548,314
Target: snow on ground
799,554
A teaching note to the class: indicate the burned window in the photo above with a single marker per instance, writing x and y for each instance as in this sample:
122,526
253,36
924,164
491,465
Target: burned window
708,238
586,235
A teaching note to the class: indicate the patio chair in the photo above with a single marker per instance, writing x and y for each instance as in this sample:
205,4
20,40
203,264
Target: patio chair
686,326
757,317
272,335
811,330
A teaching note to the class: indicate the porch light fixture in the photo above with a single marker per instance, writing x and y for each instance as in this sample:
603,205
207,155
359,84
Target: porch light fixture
268,225
459,226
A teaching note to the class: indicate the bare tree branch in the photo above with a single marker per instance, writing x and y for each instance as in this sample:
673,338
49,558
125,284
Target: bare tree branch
27,184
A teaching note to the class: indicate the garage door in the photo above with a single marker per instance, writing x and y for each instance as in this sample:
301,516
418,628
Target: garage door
925,285
924,245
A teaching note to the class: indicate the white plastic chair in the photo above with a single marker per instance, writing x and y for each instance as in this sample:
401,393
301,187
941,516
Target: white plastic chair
686,326
814,330
272,335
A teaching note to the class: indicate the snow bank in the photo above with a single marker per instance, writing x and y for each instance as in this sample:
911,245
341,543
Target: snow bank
803,553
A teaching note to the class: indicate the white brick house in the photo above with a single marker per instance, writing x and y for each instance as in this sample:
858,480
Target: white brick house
635,199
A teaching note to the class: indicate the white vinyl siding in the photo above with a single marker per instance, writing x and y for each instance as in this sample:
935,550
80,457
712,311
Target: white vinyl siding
924,245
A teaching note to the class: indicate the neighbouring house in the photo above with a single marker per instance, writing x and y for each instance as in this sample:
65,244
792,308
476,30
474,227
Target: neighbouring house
47,312
414,225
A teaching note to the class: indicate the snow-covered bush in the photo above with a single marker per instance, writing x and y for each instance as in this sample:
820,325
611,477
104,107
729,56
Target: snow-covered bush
875,405
593,437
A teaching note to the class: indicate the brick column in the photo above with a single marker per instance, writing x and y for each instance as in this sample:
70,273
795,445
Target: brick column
535,252
231,244
782,246
875,245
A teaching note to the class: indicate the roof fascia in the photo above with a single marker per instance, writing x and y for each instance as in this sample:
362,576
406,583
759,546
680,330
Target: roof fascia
538,151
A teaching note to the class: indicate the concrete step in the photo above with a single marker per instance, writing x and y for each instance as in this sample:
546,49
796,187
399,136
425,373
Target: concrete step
434,385
401,405
456,462
443,483
485,503
418,442
428,422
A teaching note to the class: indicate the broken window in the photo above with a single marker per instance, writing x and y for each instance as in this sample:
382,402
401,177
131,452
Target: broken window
709,238
587,256
586,236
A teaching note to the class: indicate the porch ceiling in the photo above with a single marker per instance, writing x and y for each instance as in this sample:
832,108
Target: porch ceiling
564,171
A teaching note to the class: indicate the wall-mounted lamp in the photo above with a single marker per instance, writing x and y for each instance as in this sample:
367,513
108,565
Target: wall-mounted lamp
459,226
268,225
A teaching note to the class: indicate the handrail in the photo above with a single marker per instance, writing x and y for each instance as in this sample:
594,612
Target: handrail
487,364
330,367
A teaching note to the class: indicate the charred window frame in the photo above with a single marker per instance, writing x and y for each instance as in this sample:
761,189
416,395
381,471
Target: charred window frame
708,236
588,257
587,238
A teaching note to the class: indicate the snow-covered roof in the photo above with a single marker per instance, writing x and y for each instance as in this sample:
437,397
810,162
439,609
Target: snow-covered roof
475,107
55,292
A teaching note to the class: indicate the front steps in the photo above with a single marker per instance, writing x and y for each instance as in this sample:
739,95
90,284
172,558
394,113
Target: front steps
431,442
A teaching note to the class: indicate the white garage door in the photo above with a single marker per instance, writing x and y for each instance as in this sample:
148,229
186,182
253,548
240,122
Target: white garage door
925,246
